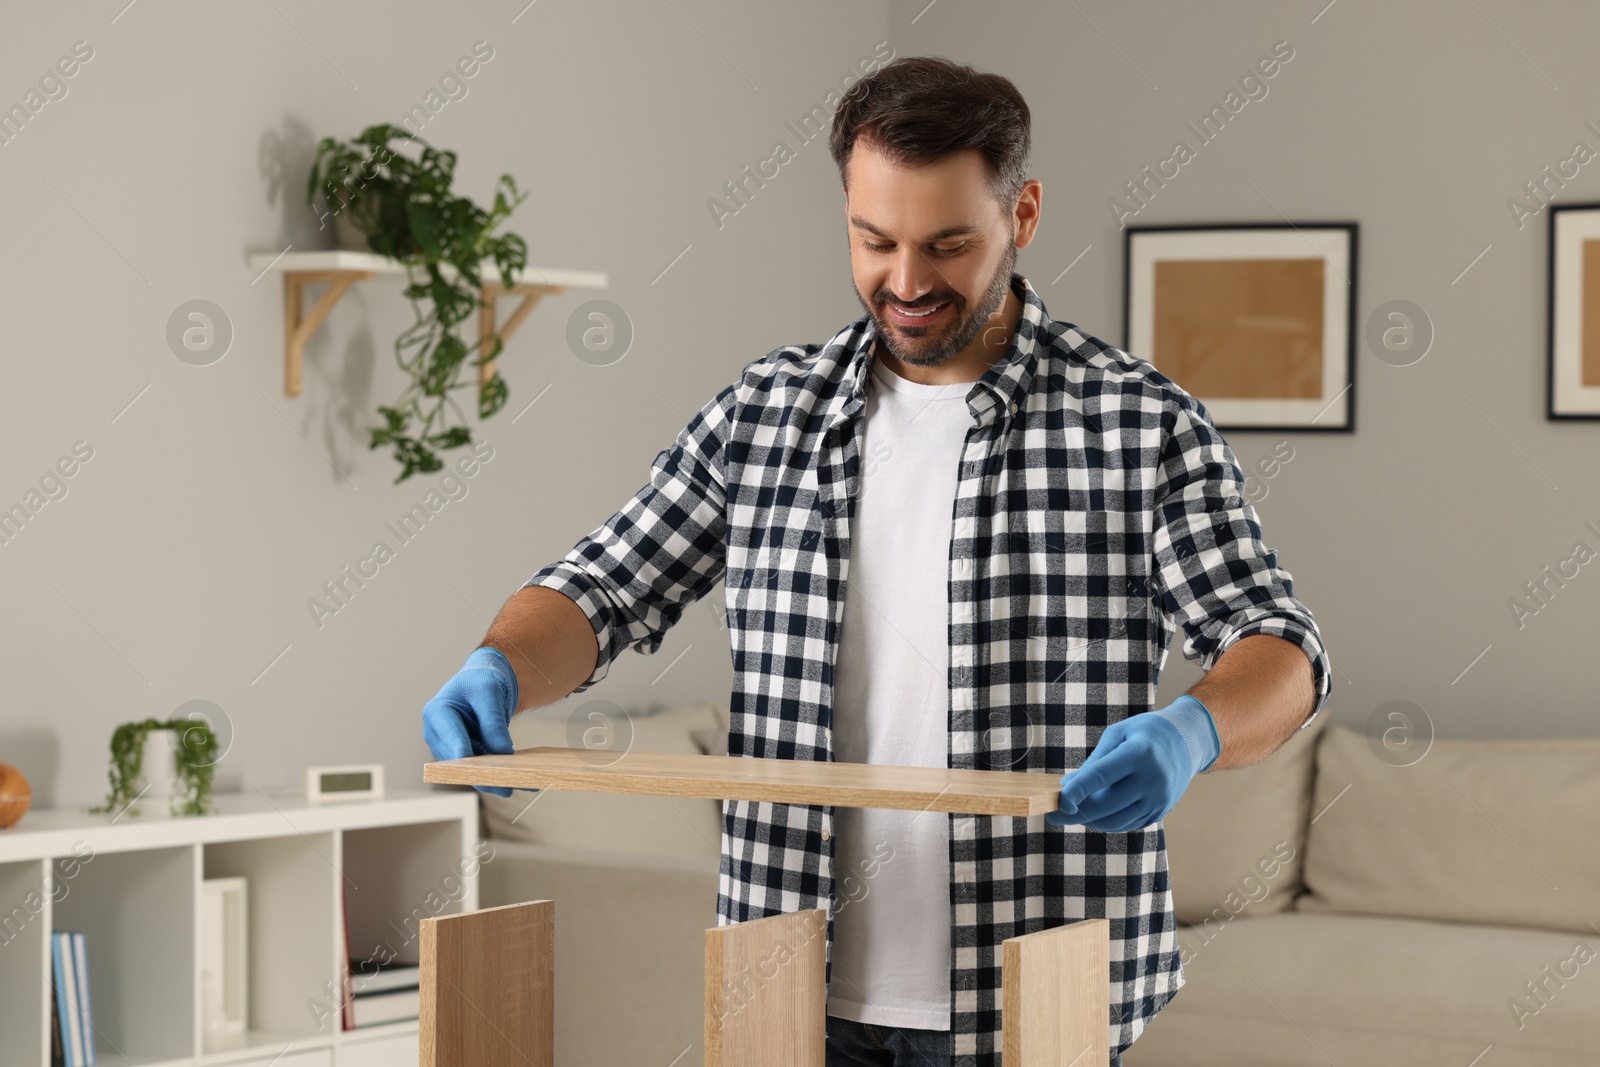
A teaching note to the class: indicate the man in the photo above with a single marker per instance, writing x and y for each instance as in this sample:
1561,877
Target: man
953,535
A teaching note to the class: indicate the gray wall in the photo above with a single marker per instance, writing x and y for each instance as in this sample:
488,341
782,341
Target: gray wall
179,564
1419,121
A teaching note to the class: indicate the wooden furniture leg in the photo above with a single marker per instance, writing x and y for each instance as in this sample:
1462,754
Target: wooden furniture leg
766,991
1056,996
488,988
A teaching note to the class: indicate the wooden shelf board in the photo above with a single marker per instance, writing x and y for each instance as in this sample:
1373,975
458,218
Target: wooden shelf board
340,260
850,785
340,269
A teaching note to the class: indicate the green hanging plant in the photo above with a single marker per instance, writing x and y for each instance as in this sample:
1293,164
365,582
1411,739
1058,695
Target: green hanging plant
195,765
409,212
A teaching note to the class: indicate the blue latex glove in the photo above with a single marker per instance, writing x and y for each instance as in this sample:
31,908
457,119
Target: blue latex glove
471,713
1140,768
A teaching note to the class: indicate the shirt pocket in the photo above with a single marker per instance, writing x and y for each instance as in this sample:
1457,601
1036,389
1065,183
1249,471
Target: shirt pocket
1080,579
768,584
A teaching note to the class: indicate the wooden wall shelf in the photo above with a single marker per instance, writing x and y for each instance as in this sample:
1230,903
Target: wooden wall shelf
850,785
340,269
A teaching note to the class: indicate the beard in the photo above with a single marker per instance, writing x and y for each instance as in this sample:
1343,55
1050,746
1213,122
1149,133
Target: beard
923,351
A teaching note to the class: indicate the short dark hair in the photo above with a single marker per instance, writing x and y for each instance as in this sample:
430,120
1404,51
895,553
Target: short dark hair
919,109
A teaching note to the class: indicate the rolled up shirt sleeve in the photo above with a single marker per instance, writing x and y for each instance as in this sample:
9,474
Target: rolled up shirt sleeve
635,574
1212,572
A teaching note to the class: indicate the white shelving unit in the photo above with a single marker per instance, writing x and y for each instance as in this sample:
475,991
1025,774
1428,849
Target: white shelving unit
132,884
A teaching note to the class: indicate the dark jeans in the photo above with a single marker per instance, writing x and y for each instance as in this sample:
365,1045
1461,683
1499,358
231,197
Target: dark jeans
853,1044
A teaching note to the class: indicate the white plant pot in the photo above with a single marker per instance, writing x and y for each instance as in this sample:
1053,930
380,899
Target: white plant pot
348,237
158,768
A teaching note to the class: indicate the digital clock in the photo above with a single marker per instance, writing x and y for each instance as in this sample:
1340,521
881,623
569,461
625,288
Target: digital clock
361,782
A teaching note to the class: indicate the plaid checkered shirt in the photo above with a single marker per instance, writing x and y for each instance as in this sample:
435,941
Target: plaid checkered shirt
1096,504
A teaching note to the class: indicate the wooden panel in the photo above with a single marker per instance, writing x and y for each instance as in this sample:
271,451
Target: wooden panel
848,785
488,988
1056,996
766,994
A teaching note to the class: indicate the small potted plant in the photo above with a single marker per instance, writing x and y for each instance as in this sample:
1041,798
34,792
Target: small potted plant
407,209
175,759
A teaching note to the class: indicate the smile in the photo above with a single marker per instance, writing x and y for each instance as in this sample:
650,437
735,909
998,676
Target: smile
908,317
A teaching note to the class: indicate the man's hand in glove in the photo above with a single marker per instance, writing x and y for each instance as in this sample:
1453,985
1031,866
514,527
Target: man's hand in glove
1139,769
471,714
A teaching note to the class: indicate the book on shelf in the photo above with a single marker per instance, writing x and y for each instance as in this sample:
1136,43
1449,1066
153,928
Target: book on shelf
64,1002
58,1058
370,976
375,991
347,1013
70,970
224,960
80,957
385,992
392,1005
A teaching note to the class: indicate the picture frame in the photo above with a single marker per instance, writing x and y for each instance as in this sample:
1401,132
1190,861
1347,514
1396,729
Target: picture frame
1254,319
1573,349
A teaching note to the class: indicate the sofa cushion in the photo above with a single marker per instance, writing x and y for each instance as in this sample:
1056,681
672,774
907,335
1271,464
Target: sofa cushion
1296,990
1474,831
1235,838
677,826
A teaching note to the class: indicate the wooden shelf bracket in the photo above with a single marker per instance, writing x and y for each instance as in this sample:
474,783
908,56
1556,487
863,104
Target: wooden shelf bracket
492,292
298,324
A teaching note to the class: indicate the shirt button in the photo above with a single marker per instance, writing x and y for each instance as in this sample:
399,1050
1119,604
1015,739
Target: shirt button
1013,408
827,834
827,731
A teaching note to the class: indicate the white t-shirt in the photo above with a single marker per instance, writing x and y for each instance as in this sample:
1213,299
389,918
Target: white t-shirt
891,952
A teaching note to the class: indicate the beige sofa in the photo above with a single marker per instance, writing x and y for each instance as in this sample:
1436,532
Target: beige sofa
1421,906
1334,908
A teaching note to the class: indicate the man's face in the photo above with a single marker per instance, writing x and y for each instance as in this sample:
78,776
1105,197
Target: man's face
927,238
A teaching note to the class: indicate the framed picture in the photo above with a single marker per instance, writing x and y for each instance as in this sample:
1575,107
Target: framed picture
1574,312
1256,320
